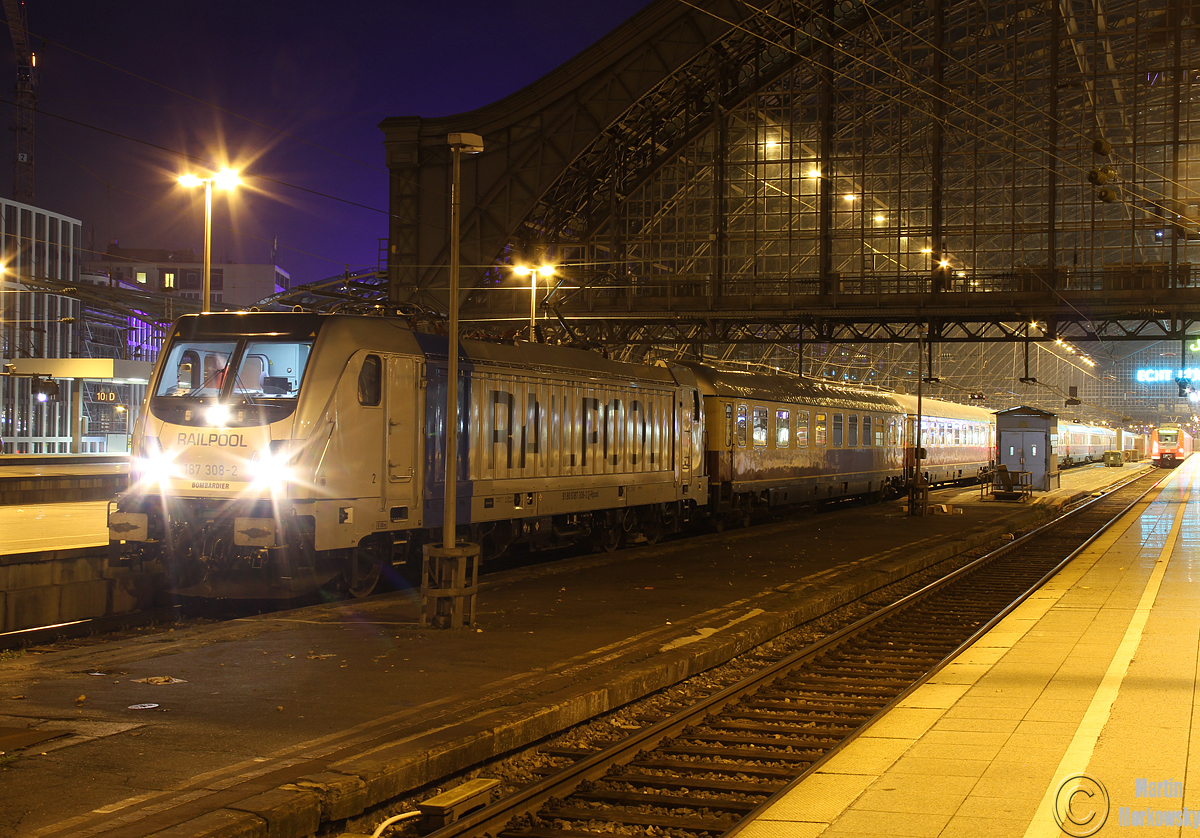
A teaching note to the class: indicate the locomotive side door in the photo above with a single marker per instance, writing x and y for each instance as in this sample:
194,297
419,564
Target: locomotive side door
404,399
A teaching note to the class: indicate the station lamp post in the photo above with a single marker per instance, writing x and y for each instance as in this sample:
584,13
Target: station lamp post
471,144
226,179
533,274
450,570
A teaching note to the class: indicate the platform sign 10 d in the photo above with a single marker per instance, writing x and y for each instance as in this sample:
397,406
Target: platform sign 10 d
1166,376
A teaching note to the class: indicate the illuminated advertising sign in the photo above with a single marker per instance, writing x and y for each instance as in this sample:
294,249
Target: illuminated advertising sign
1165,376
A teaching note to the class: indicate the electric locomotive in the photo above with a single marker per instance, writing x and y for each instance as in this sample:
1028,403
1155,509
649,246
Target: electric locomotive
1170,444
280,452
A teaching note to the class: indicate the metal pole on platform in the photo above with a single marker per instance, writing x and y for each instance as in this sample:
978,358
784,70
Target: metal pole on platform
450,573
471,144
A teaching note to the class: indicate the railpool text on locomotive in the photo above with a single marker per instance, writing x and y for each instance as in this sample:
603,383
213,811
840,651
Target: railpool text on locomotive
220,440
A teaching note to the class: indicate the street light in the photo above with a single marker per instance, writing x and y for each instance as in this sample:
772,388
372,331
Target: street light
225,179
471,144
533,273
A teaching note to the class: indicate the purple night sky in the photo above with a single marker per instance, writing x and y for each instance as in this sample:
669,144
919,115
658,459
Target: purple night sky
324,73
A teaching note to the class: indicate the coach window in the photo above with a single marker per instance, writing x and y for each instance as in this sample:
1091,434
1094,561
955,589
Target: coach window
728,426
836,441
852,431
819,430
760,426
783,428
958,440
370,381
866,430
801,428
741,425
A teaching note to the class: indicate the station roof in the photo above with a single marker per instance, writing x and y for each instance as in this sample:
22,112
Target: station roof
93,369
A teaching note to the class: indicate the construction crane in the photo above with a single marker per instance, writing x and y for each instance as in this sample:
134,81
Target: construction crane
26,101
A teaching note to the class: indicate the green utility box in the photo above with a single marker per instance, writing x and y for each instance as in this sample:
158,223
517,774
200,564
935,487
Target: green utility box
1114,458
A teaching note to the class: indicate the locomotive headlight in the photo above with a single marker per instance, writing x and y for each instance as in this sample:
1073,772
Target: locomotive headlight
154,465
271,467
217,415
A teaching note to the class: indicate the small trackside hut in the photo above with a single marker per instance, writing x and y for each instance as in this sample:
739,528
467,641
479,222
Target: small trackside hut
1026,435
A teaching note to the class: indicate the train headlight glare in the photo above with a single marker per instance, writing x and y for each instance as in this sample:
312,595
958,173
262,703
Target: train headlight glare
271,467
217,415
155,465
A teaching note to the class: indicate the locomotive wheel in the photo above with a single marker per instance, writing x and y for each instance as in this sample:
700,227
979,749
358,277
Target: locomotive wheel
653,531
609,539
365,564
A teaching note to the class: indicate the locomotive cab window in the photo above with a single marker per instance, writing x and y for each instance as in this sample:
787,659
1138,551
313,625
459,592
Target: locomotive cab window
195,369
783,429
370,381
760,426
742,412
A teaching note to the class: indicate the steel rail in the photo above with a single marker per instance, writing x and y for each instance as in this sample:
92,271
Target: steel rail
493,819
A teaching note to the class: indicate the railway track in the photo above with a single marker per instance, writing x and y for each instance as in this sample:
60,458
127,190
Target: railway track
708,766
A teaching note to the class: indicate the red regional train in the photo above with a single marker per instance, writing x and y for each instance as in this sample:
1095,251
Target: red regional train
1170,445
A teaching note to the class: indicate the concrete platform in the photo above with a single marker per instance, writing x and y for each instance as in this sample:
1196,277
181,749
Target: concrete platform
35,479
280,721
1081,706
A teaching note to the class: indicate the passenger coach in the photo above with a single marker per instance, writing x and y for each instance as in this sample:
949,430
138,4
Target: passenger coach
959,439
775,440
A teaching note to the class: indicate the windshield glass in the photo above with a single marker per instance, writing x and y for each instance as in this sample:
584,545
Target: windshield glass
272,369
195,368
265,369
1168,437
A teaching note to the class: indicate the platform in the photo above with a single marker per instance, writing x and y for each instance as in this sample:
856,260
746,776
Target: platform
1084,696
36,478
282,716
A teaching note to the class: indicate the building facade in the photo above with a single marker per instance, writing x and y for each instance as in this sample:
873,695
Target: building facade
179,273
36,243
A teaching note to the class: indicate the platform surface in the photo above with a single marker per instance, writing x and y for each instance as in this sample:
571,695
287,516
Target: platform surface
11,469
1083,701
350,687
53,526
58,526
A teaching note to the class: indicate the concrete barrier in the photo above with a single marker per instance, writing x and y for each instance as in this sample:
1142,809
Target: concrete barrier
69,585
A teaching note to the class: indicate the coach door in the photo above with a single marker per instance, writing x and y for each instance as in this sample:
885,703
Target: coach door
404,398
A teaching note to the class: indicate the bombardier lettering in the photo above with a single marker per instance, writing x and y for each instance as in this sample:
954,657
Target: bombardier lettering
218,439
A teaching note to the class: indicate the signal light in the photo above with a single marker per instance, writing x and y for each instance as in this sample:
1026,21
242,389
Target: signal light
44,389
